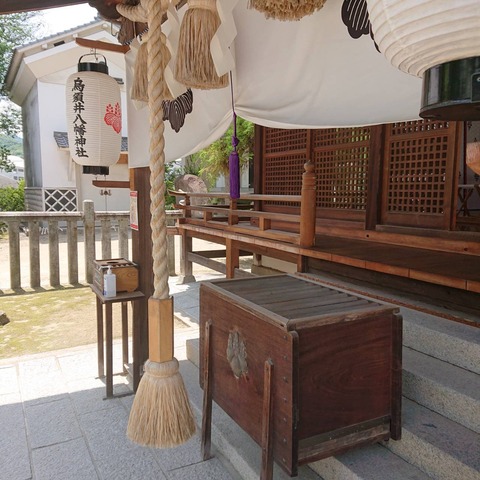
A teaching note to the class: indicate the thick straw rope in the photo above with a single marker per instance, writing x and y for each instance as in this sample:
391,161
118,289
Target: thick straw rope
156,85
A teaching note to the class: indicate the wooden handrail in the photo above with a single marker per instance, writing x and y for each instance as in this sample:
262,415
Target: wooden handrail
243,196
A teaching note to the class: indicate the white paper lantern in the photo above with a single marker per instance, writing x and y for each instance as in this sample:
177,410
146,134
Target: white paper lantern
416,35
438,40
94,117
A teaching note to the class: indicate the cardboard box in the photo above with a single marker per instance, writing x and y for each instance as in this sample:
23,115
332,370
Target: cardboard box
125,271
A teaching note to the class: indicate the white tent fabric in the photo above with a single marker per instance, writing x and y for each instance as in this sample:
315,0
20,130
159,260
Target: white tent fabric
305,74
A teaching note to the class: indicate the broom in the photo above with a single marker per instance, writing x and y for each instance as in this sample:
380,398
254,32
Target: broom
194,66
161,415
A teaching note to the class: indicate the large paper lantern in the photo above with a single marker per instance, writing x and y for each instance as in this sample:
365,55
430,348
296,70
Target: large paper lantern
94,117
438,40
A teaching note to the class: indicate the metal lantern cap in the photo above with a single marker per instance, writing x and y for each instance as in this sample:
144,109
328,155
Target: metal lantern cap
451,91
100,67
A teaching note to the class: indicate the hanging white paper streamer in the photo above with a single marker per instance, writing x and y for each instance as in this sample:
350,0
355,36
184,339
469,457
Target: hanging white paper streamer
222,41
171,29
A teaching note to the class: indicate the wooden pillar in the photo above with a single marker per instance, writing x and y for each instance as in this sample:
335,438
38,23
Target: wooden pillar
374,179
142,256
233,257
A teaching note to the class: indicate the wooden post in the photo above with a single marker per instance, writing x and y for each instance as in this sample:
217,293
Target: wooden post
207,396
106,238
34,249
89,238
72,247
233,257
308,206
232,219
376,160
123,238
53,253
267,423
160,329
142,256
14,249
186,271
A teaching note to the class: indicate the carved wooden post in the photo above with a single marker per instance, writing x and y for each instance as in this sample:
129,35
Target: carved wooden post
308,206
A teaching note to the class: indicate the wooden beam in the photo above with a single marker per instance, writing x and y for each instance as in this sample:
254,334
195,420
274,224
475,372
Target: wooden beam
14,6
99,45
110,184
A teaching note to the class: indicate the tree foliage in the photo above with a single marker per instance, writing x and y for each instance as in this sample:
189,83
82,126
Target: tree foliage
214,158
15,30
13,199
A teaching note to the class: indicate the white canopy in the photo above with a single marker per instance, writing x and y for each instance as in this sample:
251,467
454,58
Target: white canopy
305,74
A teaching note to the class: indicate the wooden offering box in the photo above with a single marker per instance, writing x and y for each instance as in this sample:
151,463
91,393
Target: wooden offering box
306,370
125,271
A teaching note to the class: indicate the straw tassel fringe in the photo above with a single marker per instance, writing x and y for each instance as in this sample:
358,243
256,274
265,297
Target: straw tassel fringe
286,9
195,67
161,390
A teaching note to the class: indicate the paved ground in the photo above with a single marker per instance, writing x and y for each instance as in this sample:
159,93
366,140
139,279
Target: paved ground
55,423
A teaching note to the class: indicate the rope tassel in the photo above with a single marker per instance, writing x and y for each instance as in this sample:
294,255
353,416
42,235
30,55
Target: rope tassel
195,67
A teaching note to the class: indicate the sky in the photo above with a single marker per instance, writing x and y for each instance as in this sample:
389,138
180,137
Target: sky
60,19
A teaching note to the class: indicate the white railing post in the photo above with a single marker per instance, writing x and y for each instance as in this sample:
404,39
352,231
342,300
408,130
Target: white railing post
89,240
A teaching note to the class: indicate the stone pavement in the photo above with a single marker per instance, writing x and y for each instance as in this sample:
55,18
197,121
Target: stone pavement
55,423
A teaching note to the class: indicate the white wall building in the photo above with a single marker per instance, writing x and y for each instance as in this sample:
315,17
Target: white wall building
36,81
19,171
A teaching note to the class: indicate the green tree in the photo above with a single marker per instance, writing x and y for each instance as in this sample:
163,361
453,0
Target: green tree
13,199
5,163
15,30
214,159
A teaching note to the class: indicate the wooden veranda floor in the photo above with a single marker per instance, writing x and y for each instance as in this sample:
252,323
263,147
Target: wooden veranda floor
449,269
456,270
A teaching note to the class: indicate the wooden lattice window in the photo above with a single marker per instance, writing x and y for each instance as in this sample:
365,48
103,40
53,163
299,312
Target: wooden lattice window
417,182
278,141
285,152
341,163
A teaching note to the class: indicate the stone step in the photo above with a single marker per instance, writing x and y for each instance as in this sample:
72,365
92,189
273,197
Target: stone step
444,388
374,462
228,439
452,342
436,445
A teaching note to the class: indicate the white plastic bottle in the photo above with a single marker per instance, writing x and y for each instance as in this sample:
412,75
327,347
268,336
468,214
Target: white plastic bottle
109,283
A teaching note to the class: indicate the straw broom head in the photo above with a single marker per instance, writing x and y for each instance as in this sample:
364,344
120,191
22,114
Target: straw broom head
194,65
161,390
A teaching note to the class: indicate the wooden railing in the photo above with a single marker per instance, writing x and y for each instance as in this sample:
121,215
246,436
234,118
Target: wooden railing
245,214
70,242
38,225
